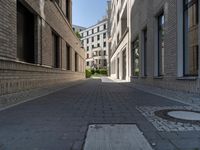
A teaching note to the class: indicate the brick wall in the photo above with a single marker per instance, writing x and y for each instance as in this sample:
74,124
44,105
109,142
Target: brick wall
144,14
16,75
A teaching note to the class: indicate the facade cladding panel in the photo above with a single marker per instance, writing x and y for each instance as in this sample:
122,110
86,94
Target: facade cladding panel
33,39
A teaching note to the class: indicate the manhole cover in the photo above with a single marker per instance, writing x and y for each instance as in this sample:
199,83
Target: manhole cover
185,115
181,115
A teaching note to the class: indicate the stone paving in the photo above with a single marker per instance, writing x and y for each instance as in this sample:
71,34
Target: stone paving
168,125
59,121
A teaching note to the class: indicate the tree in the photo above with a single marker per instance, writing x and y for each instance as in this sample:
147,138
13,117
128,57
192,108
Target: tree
78,34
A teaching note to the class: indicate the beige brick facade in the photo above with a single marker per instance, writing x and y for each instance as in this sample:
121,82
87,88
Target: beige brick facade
142,17
49,17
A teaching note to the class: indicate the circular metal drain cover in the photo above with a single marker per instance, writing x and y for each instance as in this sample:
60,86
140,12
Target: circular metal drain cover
180,115
185,115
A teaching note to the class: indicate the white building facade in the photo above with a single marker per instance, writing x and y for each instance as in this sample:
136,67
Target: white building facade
95,42
77,28
120,55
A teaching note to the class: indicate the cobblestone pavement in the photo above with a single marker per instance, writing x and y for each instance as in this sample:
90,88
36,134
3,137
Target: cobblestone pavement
59,121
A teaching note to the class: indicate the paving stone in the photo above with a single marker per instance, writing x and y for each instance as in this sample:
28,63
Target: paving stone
59,121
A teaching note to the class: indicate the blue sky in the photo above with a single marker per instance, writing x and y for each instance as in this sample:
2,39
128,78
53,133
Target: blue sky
88,12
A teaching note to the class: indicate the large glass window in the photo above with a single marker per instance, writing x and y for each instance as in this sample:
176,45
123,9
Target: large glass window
136,57
56,53
145,51
25,34
191,37
161,48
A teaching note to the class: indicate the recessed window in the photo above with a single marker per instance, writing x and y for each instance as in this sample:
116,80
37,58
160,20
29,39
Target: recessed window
67,9
104,35
88,63
76,61
104,26
92,39
87,41
136,57
145,52
88,55
98,45
87,48
68,58
104,53
191,48
97,29
98,37
105,62
161,48
56,53
25,34
104,44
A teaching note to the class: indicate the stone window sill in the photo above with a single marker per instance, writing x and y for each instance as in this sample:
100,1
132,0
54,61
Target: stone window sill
158,77
187,78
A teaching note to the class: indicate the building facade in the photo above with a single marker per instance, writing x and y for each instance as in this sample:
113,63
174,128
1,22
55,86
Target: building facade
120,40
37,45
95,42
164,43
78,28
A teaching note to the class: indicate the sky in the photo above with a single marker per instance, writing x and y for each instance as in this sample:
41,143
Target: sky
87,12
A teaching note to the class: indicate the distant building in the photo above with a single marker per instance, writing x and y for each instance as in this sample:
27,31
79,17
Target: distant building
77,28
95,42
37,45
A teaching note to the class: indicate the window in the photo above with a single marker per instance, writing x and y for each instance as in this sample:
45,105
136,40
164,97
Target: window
88,55
118,38
87,33
191,48
76,61
161,22
104,53
92,39
68,58
145,52
104,44
118,17
56,53
87,41
92,46
99,53
136,57
67,10
98,37
92,31
25,34
88,63
104,26
98,45
104,35
97,29
105,62
87,48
